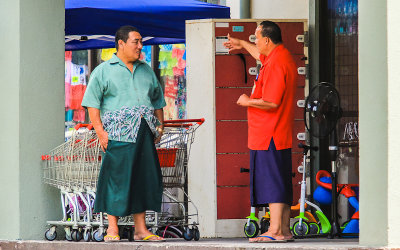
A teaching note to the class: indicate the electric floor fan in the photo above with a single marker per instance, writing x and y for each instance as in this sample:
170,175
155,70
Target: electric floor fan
321,114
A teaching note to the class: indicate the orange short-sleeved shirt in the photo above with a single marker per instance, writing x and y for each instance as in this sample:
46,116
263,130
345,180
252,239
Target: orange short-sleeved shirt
275,83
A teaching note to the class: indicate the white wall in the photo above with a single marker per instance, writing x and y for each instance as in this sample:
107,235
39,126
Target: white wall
9,83
393,48
201,104
235,8
32,113
379,90
272,9
279,9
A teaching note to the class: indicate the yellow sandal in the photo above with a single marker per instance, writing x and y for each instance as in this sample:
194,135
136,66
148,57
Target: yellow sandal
149,239
111,238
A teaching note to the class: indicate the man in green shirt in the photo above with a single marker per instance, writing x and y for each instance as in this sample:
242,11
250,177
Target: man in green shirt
125,103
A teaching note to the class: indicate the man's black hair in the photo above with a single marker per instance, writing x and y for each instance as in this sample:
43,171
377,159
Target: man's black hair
272,31
123,34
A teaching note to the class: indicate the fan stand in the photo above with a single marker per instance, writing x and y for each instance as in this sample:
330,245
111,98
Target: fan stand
318,107
333,152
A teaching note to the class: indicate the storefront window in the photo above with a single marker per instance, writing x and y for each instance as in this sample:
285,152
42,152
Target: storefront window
76,78
339,65
346,81
172,66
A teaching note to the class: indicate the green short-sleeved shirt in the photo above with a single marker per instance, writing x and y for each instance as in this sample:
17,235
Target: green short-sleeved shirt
123,97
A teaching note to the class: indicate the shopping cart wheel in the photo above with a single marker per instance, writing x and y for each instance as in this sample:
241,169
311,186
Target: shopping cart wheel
86,235
76,235
50,234
196,233
252,229
68,233
97,236
187,234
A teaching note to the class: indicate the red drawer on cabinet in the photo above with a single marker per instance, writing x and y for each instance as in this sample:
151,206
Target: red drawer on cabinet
289,33
226,107
233,202
297,160
232,70
228,169
231,137
298,135
299,102
301,70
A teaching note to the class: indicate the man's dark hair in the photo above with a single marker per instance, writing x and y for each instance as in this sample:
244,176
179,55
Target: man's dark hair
272,31
123,34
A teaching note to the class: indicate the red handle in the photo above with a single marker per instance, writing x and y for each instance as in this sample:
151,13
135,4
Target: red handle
82,125
348,185
345,187
169,123
46,157
320,174
175,125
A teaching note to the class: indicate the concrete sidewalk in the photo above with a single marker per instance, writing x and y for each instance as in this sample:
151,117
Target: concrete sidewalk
180,244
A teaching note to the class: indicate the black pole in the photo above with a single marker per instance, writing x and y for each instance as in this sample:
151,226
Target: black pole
333,152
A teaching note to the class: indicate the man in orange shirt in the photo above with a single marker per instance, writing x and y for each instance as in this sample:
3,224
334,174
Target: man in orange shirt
270,111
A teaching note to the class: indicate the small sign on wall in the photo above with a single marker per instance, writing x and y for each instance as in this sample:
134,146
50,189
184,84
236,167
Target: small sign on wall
253,71
301,136
219,45
221,25
252,38
301,70
301,103
237,28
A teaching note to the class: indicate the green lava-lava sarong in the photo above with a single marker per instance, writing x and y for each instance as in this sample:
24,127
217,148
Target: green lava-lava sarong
130,179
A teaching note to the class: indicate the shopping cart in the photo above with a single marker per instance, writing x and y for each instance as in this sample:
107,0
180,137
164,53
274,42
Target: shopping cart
73,168
173,153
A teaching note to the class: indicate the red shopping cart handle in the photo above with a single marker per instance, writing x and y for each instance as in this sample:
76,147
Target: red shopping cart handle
83,125
46,157
182,122
176,125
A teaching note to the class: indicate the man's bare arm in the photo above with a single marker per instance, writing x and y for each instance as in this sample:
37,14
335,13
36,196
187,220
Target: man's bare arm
261,104
235,43
246,101
251,48
94,115
159,113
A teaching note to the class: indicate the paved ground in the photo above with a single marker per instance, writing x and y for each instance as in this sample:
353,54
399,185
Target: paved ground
180,244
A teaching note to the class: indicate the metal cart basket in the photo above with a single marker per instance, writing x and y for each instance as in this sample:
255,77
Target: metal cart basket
73,168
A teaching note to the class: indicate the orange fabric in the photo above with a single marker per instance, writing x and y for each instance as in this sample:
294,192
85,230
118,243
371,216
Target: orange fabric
79,115
77,92
276,83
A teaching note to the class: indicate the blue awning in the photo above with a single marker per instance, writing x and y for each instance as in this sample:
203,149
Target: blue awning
159,21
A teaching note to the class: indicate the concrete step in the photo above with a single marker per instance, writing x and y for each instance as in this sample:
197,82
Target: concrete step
180,244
